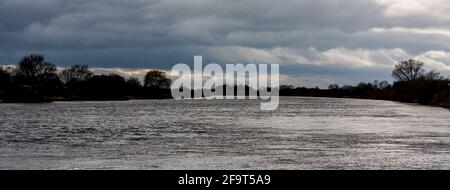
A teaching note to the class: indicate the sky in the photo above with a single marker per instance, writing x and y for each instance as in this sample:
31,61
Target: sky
316,42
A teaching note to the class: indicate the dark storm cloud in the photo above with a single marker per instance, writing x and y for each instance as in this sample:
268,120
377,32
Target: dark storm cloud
342,40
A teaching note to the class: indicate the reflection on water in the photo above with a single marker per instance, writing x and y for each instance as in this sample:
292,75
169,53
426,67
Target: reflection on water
304,133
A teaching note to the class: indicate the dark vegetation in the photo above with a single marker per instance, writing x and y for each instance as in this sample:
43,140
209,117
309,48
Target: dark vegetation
412,84
35,80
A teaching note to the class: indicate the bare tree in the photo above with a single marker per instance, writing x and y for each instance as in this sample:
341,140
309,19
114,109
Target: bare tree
34,66
408,70
433,75
76,73
157,79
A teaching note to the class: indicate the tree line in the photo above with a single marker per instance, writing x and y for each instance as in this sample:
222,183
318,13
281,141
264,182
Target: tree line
412,84
36,80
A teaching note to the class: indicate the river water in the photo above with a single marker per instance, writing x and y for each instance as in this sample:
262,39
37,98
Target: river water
304,133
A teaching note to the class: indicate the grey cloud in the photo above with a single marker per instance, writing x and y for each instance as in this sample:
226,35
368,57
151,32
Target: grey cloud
308,37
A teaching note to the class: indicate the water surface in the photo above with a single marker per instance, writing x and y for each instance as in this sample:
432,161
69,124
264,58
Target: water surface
304,133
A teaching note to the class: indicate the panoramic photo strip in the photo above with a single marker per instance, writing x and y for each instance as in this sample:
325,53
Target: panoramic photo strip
222,93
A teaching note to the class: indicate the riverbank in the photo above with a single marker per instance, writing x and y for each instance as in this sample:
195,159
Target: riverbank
422,91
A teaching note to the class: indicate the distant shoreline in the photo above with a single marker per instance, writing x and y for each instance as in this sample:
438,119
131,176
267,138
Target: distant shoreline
34,80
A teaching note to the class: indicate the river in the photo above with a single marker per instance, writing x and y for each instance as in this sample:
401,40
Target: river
303,133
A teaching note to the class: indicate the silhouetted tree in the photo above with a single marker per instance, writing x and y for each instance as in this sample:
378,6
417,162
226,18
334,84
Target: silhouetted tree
134,82
5,80
408,70
134,87
433,75
414,85
33,66
34,80
157,79
76,73
105,87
